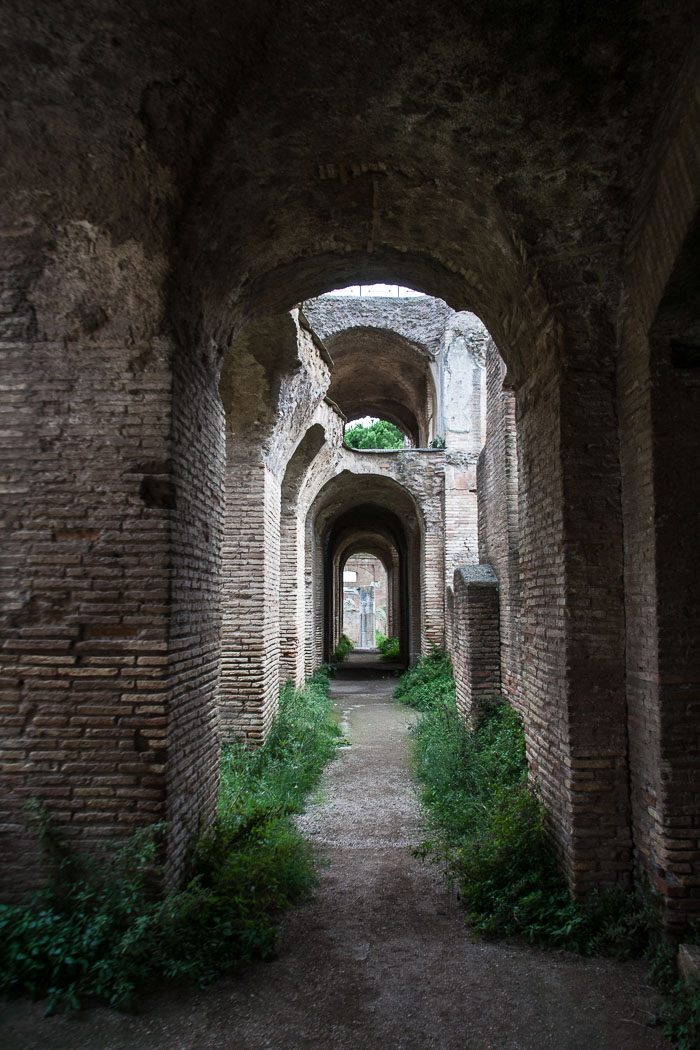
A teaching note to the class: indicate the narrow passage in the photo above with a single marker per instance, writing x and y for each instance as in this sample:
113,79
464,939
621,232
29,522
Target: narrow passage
381,959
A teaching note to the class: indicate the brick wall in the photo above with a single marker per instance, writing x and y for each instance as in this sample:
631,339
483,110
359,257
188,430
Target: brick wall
250,580
657,403
498,516
561,602
476,653
196,534
90,507
273,381
292,557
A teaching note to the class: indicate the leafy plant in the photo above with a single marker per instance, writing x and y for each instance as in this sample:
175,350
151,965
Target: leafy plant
378,434
488,829
680,1012
99,930
428,683
344,646
389,648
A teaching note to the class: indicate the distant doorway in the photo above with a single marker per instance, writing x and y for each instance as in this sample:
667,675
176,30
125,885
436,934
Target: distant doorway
365,611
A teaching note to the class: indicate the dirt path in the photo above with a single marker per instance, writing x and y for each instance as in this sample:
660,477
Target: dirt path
381,959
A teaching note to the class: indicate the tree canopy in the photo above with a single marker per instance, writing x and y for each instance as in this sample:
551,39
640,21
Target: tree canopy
378,434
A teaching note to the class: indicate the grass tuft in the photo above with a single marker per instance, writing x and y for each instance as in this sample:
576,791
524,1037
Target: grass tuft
344,646
389,648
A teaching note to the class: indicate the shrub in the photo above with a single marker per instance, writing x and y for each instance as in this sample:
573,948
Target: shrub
428,683
97,929
488,831
389,648
680,1013
377,434
342,649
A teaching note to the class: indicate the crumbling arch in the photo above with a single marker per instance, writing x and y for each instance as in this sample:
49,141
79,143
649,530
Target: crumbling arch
380,373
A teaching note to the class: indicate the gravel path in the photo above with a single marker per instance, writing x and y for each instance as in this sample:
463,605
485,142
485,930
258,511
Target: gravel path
381,958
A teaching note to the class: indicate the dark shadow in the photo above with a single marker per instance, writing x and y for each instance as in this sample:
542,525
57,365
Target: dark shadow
366,663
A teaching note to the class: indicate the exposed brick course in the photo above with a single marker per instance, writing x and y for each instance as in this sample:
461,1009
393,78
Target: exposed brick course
476,651
176,180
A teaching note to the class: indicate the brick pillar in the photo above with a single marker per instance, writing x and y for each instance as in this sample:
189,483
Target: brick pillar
499,530
429,557
572,695
109,635
393,597
292,598
248,690
476,654
314,588
660,429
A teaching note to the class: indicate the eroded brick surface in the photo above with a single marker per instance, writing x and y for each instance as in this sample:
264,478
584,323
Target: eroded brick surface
177,179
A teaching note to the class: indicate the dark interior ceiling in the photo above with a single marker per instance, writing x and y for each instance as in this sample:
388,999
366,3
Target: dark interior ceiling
264,152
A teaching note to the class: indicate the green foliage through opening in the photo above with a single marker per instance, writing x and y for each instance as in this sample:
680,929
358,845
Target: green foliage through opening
378,434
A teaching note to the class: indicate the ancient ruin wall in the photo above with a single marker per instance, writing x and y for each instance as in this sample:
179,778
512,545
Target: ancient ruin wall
498,516
97,651
476,652
569,610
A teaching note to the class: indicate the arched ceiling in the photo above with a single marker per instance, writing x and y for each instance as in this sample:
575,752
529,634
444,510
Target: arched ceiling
370,544
380,373
349,503
486,153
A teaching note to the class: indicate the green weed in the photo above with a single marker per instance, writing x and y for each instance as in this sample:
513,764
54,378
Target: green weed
488,831
389,648
428,683
344,646
680,1012
98,930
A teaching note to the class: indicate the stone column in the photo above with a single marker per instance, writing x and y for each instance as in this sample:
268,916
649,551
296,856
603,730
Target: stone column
367,629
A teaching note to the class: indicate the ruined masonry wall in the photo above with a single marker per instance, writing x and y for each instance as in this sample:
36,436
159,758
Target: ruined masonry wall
476,656
497,478
98,651
250,578
196,539
421,320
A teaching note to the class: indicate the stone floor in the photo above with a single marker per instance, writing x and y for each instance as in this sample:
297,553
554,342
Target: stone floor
381,958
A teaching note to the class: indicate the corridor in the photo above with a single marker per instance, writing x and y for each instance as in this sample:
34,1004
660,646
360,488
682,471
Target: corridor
380,959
